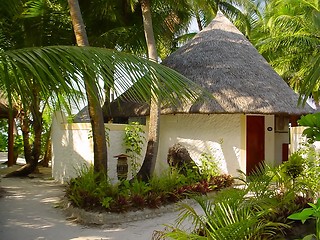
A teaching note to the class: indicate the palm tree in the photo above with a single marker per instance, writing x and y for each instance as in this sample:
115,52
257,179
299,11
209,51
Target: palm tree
54,70
290,41
26,24
95,110
149,161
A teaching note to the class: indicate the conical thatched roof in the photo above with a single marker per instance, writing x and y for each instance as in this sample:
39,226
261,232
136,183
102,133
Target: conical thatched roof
223,61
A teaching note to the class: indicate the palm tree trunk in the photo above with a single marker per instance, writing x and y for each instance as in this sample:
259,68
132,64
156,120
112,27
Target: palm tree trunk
198,21
32,154
11,159
149,162
95,110
25,123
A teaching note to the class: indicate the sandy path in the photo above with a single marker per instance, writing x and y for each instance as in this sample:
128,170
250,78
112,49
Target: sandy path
28,212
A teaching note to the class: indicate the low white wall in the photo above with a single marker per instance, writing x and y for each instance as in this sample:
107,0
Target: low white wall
221,135
72,147
296,138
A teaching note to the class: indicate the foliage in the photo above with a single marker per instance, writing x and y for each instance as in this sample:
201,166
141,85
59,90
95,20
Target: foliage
312,122
18,144
94,191
294,166
209,166
287,34
260,208
309,213
3,135
133,142
228,215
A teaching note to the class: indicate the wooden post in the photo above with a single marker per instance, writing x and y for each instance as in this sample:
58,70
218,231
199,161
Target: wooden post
10,140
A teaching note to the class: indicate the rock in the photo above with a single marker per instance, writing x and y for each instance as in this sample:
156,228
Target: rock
179,157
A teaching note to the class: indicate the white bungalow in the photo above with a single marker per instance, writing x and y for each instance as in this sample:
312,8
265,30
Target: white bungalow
246,123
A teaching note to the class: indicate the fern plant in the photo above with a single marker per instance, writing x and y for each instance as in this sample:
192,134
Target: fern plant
230,215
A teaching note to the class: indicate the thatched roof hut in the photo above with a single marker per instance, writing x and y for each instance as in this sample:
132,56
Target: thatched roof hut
4,108
223,61
5,113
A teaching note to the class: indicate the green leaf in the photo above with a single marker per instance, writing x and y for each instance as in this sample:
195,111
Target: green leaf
310,120
309,237
57,69
303,215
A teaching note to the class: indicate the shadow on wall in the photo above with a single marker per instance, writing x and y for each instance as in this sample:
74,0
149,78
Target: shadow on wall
218,135
227,157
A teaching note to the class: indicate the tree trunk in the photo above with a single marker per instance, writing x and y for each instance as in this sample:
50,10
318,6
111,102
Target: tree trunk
48,152
11,159
32,154
198,21
94,107
25,136
149,162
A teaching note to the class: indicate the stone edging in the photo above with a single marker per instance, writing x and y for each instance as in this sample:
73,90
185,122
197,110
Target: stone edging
108,218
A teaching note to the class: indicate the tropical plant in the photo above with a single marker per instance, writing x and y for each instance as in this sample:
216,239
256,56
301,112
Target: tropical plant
288,37
307,183
92,93
3,135
229,215
209,166
312,122
94,191
294,167
26,24
309,213
70,63
133,142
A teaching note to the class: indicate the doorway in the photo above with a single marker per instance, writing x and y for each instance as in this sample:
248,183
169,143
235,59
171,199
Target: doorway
255,152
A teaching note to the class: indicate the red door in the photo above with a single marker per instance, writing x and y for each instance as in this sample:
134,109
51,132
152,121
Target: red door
255,142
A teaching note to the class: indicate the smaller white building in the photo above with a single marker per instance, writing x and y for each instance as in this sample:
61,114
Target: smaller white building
72,147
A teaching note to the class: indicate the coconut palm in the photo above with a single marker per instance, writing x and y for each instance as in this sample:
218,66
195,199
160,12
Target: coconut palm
94,107
57,69
290,41
26,24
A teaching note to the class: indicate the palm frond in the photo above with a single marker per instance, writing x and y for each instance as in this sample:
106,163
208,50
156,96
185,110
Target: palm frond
61,68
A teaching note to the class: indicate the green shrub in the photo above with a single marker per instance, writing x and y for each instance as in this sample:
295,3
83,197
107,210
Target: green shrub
228,215
294,166
258,210
133,142
209,166
94,191
312,212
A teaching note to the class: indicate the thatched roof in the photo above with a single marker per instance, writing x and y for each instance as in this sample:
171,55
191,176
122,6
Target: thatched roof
223,61
4,108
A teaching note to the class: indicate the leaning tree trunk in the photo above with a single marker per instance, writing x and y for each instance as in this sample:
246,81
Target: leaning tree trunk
32,154
94,107
149,162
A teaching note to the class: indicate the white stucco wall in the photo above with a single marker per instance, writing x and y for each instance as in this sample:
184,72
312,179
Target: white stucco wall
223,136
73,148
296,138
219,135
269,139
